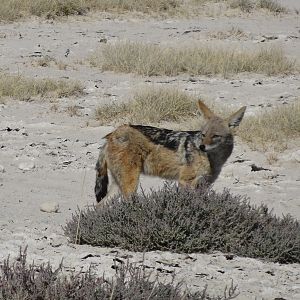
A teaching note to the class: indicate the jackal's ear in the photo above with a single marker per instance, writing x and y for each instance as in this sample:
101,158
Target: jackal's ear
205,110
236,118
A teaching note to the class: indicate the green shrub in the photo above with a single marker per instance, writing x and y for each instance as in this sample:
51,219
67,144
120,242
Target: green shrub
189,221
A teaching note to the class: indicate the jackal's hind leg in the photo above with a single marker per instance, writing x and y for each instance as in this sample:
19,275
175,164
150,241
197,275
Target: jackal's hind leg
113,191
128,179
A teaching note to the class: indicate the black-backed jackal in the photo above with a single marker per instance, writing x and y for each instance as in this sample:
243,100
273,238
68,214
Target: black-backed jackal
186,156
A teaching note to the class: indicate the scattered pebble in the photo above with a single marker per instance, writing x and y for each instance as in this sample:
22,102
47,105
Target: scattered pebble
2,169
27,166
50,207
56,240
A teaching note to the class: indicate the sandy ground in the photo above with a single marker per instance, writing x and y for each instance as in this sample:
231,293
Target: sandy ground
63,149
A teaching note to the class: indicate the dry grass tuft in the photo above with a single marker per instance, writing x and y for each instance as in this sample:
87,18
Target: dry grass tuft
48,61
73,110
272,6
150,105
21,88
151,60
243,5
113,113
249,5
232,33
11,10
20,279
273,129
45,61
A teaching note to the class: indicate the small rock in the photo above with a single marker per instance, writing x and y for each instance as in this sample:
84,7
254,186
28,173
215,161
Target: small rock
201,275
168,263
51,152
90,255
27,166
2,169
270,37
50,207
67,52
255,168
56,243
166,271
56,240
229,256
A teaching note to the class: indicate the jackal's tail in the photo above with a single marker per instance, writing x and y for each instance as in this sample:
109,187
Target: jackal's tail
101,176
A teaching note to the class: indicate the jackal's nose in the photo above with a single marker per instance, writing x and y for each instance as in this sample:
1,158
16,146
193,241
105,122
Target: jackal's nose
202,147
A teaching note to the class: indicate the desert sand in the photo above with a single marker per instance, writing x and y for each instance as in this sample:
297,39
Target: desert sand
48,156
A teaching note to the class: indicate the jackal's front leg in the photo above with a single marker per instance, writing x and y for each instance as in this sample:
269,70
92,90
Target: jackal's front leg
195,174
186,177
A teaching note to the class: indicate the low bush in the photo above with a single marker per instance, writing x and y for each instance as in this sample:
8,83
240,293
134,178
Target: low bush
150,105
11,10
271,5
272,129
22,88
22,281
243,5
151,60
181,220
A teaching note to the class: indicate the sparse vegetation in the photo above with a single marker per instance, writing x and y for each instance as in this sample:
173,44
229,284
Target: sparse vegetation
43,61
272,129
11,10
22,88
183,220
271,5
48,61
151,60
73,110
232,33
114,112
248,5
150,105
19,280
243,5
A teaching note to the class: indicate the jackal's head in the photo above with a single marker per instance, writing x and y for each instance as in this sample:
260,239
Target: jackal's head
217,133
